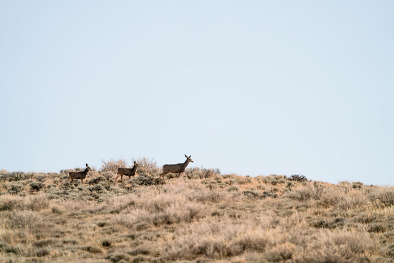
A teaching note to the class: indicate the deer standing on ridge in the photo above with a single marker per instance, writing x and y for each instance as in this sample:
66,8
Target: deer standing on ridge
127,171
176,168
79,175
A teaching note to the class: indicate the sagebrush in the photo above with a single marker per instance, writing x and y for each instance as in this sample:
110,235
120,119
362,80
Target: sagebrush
200,216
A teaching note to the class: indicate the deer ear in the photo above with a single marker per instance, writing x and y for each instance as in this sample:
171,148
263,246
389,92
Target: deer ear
135,162
190,156
185,155
87,165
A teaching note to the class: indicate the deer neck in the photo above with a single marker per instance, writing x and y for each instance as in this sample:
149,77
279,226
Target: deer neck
186,163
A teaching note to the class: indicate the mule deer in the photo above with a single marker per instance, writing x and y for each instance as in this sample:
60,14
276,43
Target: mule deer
176,168
79,175
127,171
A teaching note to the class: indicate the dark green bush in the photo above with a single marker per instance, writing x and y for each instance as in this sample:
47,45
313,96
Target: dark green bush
233,188
298,178
201,173
106,243
14,176
36,186
386,197
377,228
98,188
270,194
357,185
93,250
253,194
142,180
42,252
15,189
97,180
43,242
118,257
9,205
328,223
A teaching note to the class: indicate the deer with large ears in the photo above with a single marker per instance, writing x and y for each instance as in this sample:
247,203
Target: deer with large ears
127,171
79,175
176,168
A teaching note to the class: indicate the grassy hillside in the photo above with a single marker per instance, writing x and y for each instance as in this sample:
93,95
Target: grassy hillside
203,216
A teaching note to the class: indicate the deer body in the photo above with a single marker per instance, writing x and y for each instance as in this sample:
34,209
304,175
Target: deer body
176,168
79,175
127,171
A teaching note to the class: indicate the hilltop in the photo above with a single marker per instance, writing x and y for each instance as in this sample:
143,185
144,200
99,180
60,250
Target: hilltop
202,216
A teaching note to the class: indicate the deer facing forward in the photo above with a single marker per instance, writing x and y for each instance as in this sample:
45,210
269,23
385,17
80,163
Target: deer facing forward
79,175
127,171
176,168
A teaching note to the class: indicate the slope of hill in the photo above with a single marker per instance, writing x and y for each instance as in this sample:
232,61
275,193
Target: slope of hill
203,216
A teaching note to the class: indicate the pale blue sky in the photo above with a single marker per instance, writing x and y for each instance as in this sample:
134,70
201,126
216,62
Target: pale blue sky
249,87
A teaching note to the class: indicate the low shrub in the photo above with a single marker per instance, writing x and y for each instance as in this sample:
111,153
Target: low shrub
98,188
98,179
44,242
41,252
327,222
118,257
147,167
106,243
9,203
23,219
280,252
14,189
377,228
38,202
233,189
207,195
143,180
14,176
201,173
353,199
93,250
40,177
253,194
385,196
298,178
357,185
112,165
36,186
307,192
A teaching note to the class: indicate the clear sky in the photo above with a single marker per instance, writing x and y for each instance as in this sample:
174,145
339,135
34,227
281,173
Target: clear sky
249,87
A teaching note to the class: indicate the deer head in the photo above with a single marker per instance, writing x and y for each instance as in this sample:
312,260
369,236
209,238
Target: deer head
88,168
189,158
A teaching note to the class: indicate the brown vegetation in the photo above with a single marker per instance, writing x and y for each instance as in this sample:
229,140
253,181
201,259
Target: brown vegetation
203,216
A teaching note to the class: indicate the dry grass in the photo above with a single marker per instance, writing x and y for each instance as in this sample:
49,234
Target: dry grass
202,216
